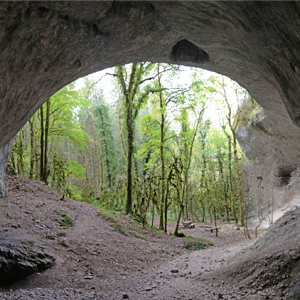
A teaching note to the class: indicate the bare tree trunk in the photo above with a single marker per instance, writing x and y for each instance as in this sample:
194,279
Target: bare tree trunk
178,220
121,132
45,161
162,158
32,148
153,210
42,143
104,136
129,161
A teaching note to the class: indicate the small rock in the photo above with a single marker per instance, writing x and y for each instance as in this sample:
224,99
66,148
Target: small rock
125,296
182,265
220,296
174,271
88,277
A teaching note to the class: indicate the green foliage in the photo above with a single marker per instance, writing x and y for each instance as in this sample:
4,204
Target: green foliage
17,156
64,131
193,243
108,215
59,173
75,169
65,220
119,228
152,227
65,123
183,165
137,235
248,109
88,193
104,129
114,218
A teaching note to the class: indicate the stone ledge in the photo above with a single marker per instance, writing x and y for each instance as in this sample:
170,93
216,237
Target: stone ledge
19,259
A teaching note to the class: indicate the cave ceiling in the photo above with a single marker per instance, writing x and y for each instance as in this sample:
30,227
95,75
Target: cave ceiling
46,45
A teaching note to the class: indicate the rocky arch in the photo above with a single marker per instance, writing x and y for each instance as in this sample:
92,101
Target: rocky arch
45,45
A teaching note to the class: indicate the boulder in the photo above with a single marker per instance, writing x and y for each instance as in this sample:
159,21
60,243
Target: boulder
19,259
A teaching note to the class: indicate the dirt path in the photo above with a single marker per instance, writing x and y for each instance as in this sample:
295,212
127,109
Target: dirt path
95,259
195,275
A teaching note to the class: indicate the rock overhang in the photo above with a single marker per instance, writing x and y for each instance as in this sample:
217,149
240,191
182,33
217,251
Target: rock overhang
46,45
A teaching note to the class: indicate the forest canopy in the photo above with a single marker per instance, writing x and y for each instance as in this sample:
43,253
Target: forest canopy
161,142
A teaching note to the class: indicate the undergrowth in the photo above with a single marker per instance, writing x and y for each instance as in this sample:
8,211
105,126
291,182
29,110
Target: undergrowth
115,219
193,243
108,215
65,220
119,228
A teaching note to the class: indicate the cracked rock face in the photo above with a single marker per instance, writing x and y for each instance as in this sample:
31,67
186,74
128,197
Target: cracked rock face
19,259
46,45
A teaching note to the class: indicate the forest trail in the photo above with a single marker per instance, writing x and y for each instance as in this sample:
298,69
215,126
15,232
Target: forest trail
101,258
199,275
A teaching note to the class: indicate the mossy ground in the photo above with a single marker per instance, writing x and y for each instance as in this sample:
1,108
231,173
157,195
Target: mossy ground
192,243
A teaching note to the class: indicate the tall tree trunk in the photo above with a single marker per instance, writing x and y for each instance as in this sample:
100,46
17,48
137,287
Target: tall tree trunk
32,148
106,150
162,158
98,154
121,131
42,143
45,161
238,175
130,129
233,127
133,106
178,219
233,209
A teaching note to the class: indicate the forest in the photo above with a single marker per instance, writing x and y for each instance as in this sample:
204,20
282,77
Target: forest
161,143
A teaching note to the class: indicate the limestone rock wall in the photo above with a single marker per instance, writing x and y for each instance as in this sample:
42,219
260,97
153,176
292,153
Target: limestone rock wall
273,170
48,44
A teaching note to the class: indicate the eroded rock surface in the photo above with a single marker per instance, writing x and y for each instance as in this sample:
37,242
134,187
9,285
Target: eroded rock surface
46,45
19,259
274,261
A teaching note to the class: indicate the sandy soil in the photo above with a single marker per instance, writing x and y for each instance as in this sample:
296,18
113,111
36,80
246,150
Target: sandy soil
95,261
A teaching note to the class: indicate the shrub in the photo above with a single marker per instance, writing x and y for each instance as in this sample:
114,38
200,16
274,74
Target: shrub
66,220
193,243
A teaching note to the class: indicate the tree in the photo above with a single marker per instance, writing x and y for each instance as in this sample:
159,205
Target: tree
54,124
134,97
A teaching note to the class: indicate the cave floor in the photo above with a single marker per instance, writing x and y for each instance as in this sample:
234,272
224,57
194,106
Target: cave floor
94,260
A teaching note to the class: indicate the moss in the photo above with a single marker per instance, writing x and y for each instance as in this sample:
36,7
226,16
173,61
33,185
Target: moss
119,228
247,111
250,247
152,227
137,236
193,243
66,220
108,215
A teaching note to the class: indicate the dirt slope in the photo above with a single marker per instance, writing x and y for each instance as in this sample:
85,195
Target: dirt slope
96,260
91,255
274,261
